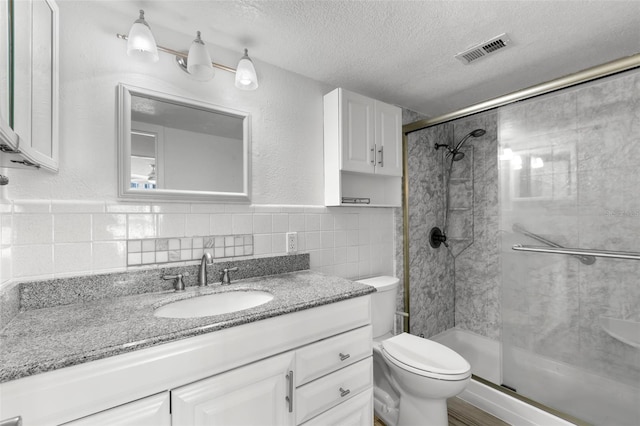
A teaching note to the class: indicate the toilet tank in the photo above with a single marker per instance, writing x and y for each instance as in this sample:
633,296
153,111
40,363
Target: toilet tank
383,307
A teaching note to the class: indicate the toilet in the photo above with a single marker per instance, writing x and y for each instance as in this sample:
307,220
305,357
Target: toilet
413,377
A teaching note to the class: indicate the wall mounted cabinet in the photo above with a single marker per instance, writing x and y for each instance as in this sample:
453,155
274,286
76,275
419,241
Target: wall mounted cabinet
362,150
29,76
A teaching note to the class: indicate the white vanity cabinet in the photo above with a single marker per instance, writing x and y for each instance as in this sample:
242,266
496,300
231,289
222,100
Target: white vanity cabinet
29,136
285,370
362,150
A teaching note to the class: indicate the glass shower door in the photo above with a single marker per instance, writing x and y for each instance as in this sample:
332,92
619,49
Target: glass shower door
568,166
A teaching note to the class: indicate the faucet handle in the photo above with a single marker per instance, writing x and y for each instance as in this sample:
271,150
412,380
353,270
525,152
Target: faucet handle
178,284
225,278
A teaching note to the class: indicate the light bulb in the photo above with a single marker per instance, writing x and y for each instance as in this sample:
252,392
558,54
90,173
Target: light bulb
199,61
246,77
140,42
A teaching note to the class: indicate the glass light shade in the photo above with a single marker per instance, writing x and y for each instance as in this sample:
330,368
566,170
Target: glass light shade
246,77
140,42
199,61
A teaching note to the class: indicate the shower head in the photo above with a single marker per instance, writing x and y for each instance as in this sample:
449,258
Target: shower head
455,153
475,134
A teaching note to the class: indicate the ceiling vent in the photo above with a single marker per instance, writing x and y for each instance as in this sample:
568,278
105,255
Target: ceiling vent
481,50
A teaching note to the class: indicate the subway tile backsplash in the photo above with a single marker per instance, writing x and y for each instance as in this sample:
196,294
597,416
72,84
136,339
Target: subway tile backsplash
44,239
168,250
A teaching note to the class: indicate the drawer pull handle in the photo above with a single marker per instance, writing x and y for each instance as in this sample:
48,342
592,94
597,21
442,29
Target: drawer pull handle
344,356
344,392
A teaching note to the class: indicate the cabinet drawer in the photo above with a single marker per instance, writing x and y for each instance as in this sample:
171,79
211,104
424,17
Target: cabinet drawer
150,411
328,355
328,391
358,411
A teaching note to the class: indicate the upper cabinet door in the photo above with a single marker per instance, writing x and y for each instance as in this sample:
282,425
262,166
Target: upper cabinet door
388,140
33,90
358,153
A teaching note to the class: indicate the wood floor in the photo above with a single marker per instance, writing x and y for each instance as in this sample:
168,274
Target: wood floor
464,414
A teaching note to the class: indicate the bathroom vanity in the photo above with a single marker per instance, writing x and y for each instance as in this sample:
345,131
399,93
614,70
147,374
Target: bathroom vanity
302,358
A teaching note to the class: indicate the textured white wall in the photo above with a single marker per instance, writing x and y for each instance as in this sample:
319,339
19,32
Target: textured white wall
71,223
286,112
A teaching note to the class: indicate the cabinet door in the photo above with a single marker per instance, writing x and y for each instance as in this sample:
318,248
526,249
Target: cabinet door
150,411
357,133
388,139
35,83
251,395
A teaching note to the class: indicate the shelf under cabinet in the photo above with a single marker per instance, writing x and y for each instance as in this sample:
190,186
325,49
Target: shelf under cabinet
382,191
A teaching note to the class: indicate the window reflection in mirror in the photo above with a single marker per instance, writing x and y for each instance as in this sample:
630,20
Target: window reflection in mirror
176,148
144,173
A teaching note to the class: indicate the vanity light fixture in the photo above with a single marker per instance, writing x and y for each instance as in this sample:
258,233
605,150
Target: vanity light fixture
197,63
141,43
246,77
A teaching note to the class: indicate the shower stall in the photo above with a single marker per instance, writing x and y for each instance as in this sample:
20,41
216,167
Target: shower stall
539,284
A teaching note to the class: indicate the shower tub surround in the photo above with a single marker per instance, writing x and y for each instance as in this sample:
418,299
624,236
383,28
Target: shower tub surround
63,331
461,285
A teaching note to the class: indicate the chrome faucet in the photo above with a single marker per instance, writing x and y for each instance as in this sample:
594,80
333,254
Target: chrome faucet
202,275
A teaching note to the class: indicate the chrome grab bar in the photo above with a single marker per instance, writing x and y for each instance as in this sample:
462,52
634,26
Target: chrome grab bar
579,252
585,259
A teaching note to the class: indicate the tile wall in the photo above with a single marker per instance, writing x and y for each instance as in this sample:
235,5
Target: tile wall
46,239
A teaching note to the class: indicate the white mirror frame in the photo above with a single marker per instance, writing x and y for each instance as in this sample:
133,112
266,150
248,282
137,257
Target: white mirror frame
124,151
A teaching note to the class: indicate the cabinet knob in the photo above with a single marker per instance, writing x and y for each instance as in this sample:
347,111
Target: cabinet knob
344,356
344,392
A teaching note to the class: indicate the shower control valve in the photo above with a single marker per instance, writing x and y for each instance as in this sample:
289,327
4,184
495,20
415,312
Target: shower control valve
437,237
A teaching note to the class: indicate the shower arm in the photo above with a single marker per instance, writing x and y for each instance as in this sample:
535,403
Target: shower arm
437,146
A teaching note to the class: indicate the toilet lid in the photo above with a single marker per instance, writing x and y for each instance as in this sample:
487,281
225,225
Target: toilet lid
426,357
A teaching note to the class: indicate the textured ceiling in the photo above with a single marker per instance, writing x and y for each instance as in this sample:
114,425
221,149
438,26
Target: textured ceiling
402,52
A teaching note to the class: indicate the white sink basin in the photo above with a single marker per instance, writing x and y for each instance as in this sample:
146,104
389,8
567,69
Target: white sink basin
214,304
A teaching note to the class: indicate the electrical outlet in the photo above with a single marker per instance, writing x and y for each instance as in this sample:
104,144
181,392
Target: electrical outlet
292,242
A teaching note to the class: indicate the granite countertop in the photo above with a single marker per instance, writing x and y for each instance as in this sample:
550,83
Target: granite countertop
47,339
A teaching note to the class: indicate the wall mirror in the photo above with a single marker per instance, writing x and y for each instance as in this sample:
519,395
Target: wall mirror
173,148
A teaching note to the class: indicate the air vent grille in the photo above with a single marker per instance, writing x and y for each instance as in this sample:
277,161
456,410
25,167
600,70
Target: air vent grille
481,50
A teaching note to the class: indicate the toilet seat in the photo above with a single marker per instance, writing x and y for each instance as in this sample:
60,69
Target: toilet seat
425,357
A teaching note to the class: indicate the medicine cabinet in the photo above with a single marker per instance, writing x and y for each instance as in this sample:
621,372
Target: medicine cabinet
29,84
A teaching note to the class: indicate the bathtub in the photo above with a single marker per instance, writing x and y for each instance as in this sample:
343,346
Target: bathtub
484,356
